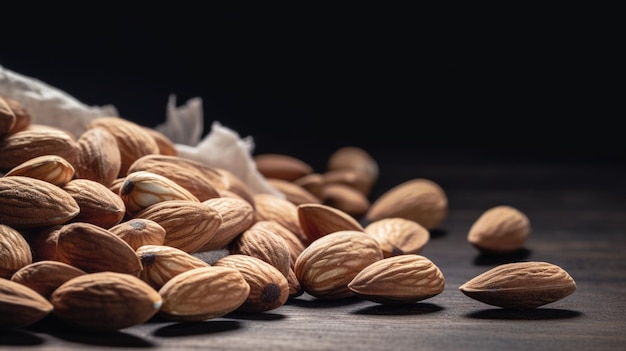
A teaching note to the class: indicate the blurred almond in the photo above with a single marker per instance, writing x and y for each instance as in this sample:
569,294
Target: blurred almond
293,192
14,251
281,166
500,229
420,200
313,183
346,199
355,159
166,146
21,306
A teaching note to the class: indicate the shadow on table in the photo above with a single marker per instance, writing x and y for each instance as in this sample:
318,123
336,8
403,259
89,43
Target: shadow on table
530,314
489,259
61,330
418,308
197,328
19,337
306,300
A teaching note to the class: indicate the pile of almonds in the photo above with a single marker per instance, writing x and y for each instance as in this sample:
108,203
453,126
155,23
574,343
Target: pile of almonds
109,229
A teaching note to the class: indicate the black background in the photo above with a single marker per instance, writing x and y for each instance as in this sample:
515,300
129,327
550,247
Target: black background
515,82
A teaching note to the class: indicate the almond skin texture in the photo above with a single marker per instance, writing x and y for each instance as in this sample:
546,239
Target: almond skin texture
398,236
326,267
131,138
500,229
98,157
272,208
98,205
29,203
291,239
161,263
105,301
264,245
420,200
203,293
188,225
36,141
269,288
139,231
318,220
95,249
46,276
142,189
15,251
520,285
399,279
51,168
21,306
237,216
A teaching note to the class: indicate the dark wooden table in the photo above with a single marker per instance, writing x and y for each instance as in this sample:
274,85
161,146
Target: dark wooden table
577,211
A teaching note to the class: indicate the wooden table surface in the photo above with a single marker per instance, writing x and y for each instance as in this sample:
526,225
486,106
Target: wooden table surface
578,216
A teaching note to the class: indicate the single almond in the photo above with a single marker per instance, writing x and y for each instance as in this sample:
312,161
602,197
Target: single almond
264,245
189,225
36,141
326,267
29,203
269,288
420,200
399,279
98,205
15,251
141,189
51,168
105,301
500,229
357,159
21,306
520,285
398,236
137,232
203,293
95,249
161,263
99,157
317,220
281,166
346,199
46,276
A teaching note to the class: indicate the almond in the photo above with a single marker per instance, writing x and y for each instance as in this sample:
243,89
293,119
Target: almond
291,239
161,263
189,225
520,285
95,249
142,188
269,288
131,138
273,208
43,243
201,181
203,293
105,301
313,183
166,145
326,267
353,179
237,216
7,118
46,276
345,198
50,168
98,205
398,236
317,220
29,203
22,116
137,232
358,160
21,306
281,166
500,229
36,141
99,157
264,245
420,200
399,279
14,251
293,192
